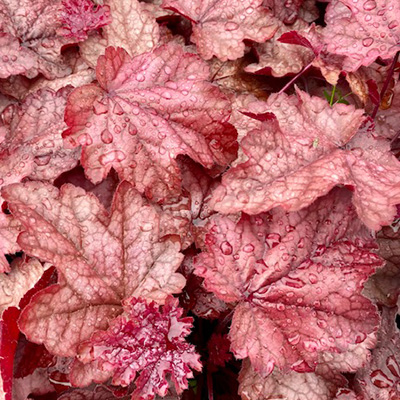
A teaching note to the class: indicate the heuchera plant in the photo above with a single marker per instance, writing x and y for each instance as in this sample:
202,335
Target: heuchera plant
199,199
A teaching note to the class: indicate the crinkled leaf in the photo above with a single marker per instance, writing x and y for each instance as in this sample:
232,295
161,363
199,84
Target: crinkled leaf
381,378
35,384
362,30
303,154
31,30
101,257
9,230
298,279
81,16
23,277
220,26
146,111
33,146
384,286
143,345
279,58
133,28
291,386
99,393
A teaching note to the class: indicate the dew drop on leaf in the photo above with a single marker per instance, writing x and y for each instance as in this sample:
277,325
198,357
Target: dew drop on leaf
226,248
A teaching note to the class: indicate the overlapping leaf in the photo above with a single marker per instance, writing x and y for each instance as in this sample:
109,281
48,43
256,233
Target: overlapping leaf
219,27
132,27
297,279
101,258
33,146
9,230
147,342
23,276
32,39
146,111
305,152
362,30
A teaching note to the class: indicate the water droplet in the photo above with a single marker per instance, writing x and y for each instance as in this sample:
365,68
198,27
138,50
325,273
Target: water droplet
231,26
281,307
322,323
118,109
146,227
115,155
272,240
313,278
367,42
320,250
106,136
369,5
5,58
100,108
132,130
294,339
360,337
140,77
296,283
301,366
249,248
310,345
167,95
226,248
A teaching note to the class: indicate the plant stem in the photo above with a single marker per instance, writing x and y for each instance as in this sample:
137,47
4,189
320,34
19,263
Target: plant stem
386,84
295,77
332,95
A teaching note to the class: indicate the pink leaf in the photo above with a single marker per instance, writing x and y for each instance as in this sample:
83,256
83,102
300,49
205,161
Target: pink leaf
297,279
31,28
147,342
101,258
33,146
132,27
284,386
362,31
219,27
301,156
81,16
280,56
384,286
9,230
381,378
23,277
146,111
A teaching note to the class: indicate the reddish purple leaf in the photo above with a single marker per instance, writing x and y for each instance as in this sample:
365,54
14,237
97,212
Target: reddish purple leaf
362,30
101,257
220,26
306,152
9,334
373,92
81,16
143,345
297,279
294,37
146,111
